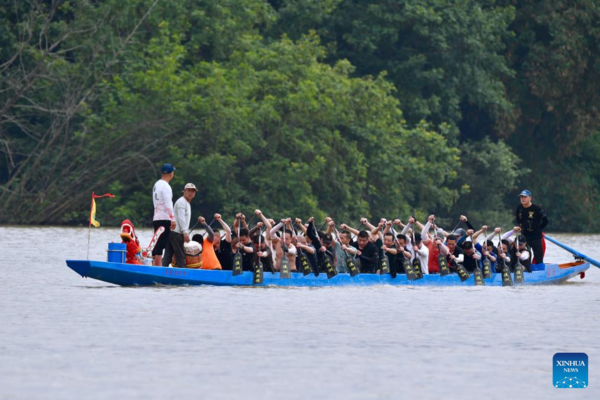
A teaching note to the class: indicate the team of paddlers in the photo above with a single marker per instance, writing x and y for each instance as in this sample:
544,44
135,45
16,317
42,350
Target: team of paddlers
290,245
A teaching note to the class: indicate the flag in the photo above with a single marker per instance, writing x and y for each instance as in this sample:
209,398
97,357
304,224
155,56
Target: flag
93,209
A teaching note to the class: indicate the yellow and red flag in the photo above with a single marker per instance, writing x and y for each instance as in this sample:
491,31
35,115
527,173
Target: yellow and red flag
93,210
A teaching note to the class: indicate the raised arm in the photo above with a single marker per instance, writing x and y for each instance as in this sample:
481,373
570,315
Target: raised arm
425,231
273,232
366,223
479,232
225,227
208,229
376,231
398,222
330,225
300,225
350,229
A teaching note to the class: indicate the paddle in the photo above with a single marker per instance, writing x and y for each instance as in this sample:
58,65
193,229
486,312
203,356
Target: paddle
417,271
384,262
394,266
258,277
284,265
457,225
442,262
506,278
303,258
487,264
350,260
406,264
576,254
237,259
519,268
478,276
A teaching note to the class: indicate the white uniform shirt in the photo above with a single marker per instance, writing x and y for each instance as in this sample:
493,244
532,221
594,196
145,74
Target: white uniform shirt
162,196
423,255
183,215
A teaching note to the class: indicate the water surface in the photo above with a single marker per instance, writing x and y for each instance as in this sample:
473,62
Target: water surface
65,337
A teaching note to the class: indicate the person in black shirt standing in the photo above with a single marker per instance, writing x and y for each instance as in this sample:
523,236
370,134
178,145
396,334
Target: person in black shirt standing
531,221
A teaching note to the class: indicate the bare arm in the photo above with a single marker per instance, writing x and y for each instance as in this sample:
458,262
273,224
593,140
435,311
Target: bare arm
479,232
425,233
349,228
300,225
225,227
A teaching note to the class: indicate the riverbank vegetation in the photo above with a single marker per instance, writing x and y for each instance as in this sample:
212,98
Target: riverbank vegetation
332,107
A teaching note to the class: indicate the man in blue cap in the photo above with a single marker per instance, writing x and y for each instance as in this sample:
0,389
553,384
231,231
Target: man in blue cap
531,221
164,215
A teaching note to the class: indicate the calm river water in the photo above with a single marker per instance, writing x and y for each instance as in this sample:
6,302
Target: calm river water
64,337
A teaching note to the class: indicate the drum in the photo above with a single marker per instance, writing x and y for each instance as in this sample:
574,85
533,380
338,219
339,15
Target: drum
192,255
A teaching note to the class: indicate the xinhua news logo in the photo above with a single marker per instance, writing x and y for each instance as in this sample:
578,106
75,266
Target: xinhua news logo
570,370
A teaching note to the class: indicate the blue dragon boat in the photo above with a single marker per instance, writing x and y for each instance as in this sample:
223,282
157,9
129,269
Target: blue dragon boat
141,275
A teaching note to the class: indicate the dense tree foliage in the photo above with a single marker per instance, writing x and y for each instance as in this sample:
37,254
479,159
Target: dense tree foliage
349,108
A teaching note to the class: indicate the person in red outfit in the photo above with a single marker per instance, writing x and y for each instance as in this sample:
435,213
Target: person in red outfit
129,237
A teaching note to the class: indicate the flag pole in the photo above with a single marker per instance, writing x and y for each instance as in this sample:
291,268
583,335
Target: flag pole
90,227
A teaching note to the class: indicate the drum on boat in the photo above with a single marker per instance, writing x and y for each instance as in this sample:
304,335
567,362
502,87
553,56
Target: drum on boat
192,255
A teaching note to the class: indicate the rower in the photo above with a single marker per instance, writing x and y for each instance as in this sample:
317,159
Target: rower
386,246
209,256
342,246
245,246
434,245
487,249
455,254
471,258
421,252
164,215
402,246
263,251
521,252
222,245
366,252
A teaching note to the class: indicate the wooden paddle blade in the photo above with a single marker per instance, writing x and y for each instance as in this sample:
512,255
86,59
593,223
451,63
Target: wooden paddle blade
352,266
305,265
506,278
462,272
384,265
327,265
394,269
478,277
258,277
408,269
237,264
284,268
519,278
417,269
443,263
487,269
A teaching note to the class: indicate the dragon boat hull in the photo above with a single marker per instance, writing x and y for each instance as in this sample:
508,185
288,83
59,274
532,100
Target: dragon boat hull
141,275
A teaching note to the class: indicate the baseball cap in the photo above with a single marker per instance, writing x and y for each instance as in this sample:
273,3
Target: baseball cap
168,168
418,238
190,186
327,238
525,193
522,239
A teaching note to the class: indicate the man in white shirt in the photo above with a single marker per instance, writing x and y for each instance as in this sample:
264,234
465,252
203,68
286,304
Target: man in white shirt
164,216
181,233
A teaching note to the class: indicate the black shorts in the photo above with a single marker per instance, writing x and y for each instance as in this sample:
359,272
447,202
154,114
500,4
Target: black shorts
161,244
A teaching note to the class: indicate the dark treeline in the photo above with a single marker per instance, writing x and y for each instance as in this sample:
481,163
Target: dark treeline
303,107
